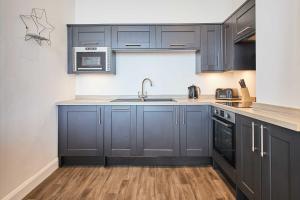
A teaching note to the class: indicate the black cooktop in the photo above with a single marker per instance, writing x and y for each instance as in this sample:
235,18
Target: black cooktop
237,104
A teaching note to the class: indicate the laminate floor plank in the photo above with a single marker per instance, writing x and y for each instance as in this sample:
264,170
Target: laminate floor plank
133,183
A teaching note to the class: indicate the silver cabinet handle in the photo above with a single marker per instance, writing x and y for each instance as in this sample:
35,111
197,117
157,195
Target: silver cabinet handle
262,153
100,116
120,109
223,123
253,139
218,57
245,29
90,43
133,45
183,116
177,45
176,113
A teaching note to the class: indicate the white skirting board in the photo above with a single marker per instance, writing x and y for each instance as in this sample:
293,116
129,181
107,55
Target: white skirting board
22,190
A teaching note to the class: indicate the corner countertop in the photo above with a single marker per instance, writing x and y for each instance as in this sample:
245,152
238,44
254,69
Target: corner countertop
281,116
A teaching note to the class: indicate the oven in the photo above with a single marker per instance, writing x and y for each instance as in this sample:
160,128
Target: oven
92,59
224,134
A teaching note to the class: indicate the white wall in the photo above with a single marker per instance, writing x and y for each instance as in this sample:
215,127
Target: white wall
32,79
155,11
237,3
278,52
172,73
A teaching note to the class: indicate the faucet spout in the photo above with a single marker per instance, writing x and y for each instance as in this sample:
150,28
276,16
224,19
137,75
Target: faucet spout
144,94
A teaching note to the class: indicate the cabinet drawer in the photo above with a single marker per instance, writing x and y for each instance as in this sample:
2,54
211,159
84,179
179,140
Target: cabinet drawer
92,36
178,37
133,37
245,21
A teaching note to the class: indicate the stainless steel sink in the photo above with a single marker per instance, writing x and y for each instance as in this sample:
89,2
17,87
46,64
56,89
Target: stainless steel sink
144,100
159,99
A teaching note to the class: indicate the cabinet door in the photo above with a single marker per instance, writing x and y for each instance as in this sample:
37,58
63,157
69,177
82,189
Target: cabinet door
194,139
248,163
178,37
277,163
80,130
245,21
211,51
133,37
120,130
228,49
158,130
91,36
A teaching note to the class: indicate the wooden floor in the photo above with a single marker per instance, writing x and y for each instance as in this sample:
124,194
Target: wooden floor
133,183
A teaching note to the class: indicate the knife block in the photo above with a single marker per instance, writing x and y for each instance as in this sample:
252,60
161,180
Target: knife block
245,95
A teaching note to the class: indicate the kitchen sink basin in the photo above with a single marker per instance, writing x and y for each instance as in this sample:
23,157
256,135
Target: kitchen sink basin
144,100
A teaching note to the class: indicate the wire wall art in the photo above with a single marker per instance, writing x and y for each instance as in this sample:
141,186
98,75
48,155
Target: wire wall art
37,26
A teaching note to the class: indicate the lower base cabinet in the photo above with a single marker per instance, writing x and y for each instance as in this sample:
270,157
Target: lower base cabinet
129,130
158,131
80,130
194,131
120,131
267,161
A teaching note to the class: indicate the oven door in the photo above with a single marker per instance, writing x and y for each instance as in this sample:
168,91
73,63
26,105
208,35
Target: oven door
224,139
89,60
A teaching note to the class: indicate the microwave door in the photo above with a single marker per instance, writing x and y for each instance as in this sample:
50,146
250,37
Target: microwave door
89,61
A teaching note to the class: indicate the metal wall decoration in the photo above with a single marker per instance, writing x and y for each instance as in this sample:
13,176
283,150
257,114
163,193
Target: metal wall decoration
37,26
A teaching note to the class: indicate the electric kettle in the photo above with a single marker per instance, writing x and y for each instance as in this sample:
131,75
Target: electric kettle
194,92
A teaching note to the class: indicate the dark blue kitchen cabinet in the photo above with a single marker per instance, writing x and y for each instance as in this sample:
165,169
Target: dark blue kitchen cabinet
133,37
228,44
211,55
120,131
80,130
245,21
248,162
178,37
267,160
91,36
194,131
280,163
158,131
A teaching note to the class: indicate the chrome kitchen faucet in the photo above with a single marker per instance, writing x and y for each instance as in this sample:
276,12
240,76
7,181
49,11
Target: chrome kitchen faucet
144,94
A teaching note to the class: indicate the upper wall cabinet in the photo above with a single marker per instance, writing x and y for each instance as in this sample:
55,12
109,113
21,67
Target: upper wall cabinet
133,37
211,51
228,45
91,36
245,21
178,37
238,44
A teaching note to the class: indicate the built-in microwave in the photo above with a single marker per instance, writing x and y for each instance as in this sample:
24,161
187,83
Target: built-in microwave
92,59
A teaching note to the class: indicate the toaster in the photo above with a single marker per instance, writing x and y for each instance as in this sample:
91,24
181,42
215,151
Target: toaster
227,93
